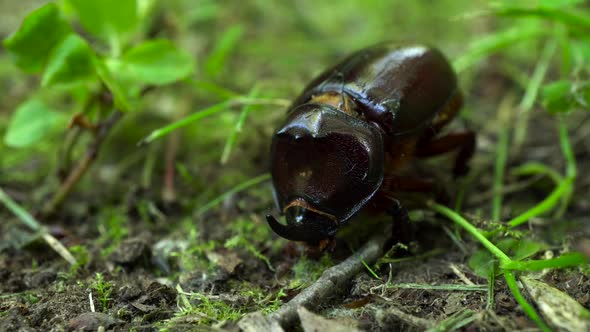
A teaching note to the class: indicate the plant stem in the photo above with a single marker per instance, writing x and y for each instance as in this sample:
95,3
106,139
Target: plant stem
83,165
570,169
491,284
470,229
169,191
501,156
532,90
563,261
504,260
545,205
560,193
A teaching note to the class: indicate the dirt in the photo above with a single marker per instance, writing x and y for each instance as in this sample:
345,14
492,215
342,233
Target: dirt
41,292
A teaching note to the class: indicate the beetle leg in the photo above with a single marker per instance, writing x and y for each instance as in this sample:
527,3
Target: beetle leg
404,183
464,142
403,230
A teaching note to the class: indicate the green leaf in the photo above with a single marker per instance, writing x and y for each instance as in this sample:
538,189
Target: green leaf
120,95
39,33
482,263
526,248
562,96
519,249
31,121
156,62
556,96
71,62
111,20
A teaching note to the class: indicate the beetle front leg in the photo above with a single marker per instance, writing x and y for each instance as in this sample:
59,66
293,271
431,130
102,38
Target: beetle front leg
409,183
403,229
464,142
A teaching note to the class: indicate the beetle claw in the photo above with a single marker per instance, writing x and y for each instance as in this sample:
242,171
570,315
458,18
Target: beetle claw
281,230
312,233
289,232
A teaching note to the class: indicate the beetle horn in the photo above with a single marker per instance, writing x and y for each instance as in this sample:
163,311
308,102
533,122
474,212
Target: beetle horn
292,233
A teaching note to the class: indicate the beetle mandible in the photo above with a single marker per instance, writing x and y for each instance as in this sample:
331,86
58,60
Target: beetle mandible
353,128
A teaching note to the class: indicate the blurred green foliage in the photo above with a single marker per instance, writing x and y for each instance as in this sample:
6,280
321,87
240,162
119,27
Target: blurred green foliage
220,74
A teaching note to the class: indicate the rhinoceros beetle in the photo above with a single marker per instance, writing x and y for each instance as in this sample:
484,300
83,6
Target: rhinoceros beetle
353,128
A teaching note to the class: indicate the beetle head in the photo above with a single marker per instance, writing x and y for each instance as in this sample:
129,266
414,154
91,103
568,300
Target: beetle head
326,165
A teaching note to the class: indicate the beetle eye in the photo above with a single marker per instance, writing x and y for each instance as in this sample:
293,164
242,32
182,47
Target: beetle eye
295,215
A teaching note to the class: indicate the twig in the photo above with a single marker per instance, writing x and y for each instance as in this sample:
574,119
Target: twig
332,282
76,174
411,320
460,274
34,225
92,309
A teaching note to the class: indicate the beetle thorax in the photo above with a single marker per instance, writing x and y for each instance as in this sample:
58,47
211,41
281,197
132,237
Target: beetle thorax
339,100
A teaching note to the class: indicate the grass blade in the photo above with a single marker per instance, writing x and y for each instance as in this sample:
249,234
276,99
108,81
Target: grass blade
488,45
240,187
528,309
491,285
565,260
448,287
375,275
563,190
233,136
501,156
455,322
457,218
208,111
531,93
569,18
27,219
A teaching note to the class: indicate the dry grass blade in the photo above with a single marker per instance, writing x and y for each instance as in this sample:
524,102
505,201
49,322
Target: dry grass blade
27,219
